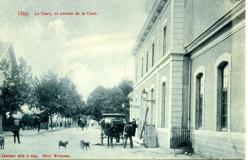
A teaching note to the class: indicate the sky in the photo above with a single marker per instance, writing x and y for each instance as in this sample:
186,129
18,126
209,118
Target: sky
92,50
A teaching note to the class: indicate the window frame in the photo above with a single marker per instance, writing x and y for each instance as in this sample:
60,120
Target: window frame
199,100
198,71
163,104
225,57
164,47
223,68
153,54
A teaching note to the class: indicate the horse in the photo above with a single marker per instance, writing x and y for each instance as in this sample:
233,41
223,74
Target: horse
111,131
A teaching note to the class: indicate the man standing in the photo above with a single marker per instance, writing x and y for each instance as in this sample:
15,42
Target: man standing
38,125
128,131
15,130
134,125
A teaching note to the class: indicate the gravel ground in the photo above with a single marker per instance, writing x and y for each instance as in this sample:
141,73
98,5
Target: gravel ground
45,146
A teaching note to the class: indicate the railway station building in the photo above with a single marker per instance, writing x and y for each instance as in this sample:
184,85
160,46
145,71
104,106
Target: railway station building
190,73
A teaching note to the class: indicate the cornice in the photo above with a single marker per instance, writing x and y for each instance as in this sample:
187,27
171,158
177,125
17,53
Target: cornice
150,73
217,26
152,18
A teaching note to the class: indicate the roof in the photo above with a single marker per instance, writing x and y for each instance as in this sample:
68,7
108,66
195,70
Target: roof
150,21
112,114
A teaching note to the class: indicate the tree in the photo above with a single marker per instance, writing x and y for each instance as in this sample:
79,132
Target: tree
47,93
16,89
109,100
73,105
58,96
126,86
96,102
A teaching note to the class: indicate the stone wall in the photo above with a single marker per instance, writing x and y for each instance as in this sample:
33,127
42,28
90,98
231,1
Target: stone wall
218,145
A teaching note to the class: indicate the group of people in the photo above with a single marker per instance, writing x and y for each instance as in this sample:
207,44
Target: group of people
129,131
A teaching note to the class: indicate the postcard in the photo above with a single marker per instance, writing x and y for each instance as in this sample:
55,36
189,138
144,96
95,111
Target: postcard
122,79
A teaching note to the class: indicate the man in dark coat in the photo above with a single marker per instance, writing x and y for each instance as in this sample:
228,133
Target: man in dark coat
15,130
128,131
134,125
37,123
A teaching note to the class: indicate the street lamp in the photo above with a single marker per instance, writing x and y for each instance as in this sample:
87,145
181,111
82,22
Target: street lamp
125,110
144,95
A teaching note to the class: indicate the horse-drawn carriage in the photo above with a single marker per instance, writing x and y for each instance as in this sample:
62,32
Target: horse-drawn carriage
112,126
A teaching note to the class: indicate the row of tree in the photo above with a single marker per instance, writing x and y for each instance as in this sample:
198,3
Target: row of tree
48,94
52,95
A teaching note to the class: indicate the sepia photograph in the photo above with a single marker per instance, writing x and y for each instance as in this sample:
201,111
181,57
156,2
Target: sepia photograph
122,79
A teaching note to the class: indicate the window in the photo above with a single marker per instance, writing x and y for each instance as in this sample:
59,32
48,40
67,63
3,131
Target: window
152,54
199,100
224,90
147,61
223,81
163,105
164,41
142,67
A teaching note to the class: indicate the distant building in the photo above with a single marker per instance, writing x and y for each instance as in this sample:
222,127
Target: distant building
6,53
190,73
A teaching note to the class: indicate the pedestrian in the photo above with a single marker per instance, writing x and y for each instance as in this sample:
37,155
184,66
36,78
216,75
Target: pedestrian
16,130
134,125
128,130
79,122
38,124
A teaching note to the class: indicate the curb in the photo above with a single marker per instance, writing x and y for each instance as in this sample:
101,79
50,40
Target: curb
30,134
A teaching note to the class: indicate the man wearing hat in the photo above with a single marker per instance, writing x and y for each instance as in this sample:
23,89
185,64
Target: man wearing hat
134,125
15,130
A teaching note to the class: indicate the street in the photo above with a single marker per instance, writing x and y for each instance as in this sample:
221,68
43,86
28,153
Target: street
45,145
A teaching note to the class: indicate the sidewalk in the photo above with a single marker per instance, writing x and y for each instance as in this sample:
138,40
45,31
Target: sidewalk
174,154
30,132
137,141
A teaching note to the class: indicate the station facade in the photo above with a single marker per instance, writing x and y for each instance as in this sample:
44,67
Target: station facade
190,73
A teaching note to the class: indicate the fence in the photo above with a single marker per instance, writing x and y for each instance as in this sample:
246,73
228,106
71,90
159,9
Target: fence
181,138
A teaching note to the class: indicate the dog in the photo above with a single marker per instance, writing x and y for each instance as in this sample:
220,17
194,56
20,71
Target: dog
2,142
63,144
84,144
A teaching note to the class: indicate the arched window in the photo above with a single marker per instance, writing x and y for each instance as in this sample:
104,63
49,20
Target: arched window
222,95
163,105
199,92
